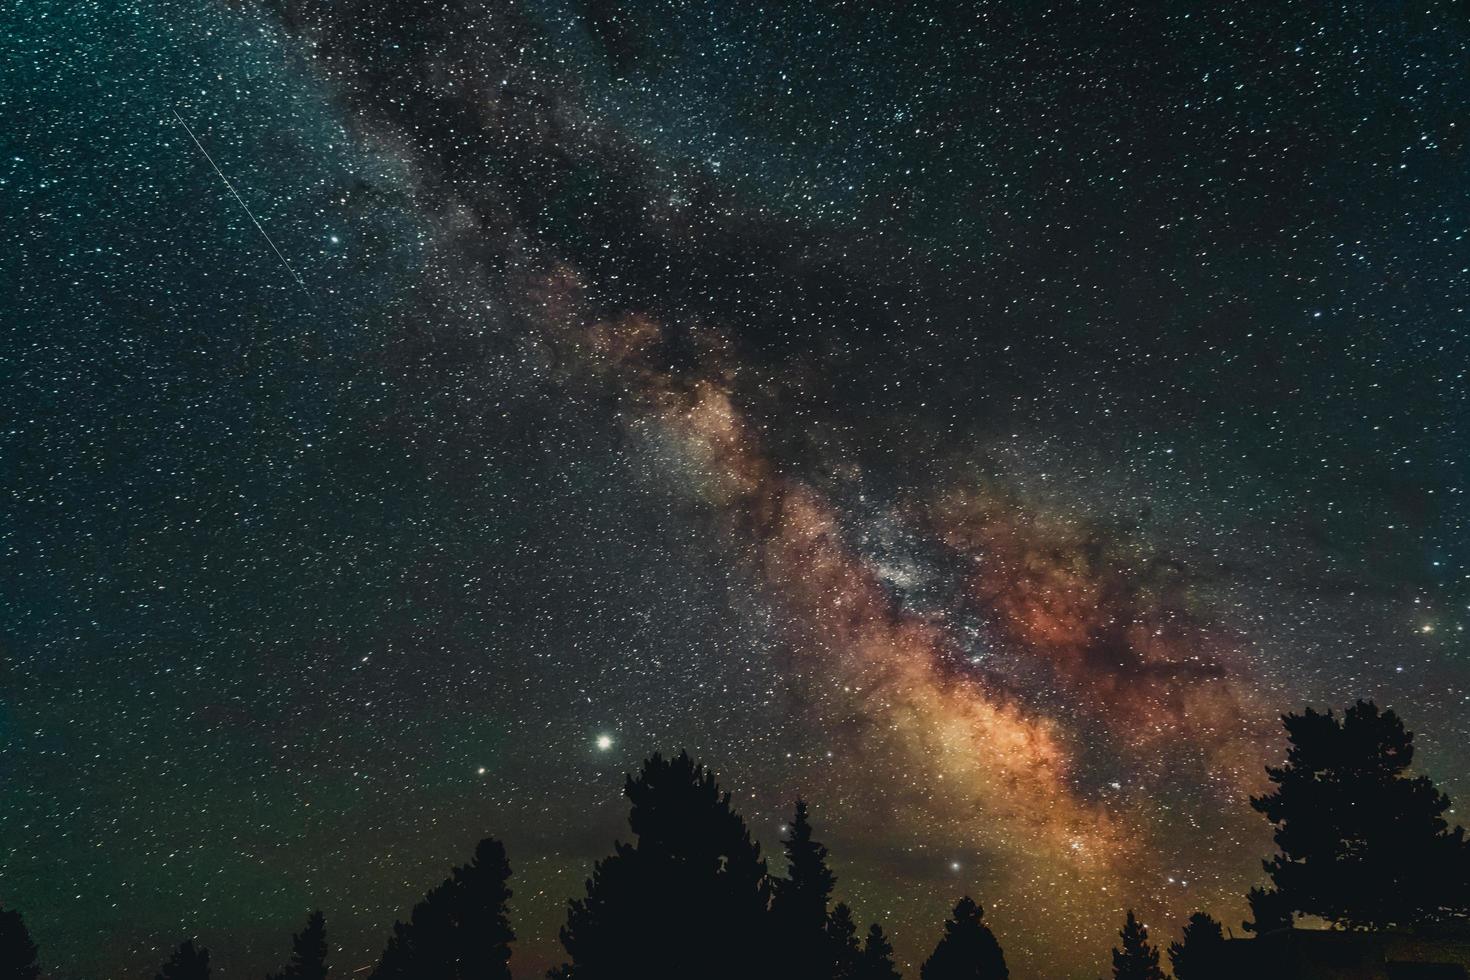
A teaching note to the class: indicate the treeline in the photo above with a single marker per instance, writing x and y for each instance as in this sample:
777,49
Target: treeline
1362,844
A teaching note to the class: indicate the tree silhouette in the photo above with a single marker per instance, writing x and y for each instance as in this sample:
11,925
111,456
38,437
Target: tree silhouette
461,930
876,962
968,950
843,945
1362,843
690,898
799,902
1198,953
1137,960
17,952
308,952
187,963
1269,911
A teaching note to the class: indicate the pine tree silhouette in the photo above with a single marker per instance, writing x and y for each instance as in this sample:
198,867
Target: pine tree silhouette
689,899
461,930
187,963
799,903
17,952
1269,911
843,945
968,950
308,952
877,959
1362,843
1137,960
1198,955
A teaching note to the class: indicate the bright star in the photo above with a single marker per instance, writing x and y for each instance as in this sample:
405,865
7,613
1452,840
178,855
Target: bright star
604,742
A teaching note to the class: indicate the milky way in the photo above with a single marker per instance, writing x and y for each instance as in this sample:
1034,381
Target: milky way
983,423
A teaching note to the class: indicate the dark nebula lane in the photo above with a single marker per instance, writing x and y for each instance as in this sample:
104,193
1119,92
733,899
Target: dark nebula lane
981,419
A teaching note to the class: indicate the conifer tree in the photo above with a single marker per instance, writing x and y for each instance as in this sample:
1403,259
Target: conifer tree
1199,953
308,952
482,913
186,963
799,902
461,930
1137,960
1269,911
877,959
17,952
1362,843
968,949
842,944
689,898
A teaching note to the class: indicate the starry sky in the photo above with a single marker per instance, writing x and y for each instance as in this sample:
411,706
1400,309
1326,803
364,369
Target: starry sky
981,419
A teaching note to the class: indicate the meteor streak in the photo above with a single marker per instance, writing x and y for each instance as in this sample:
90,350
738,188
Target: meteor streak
246,207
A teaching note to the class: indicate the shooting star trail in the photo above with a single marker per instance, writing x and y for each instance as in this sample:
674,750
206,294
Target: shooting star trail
237,196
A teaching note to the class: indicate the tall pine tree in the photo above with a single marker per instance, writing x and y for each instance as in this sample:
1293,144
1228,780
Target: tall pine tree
461,930
877,959
968,950
842,945
1362,843
186,963
308,952
689,898
799,903
1198,955
1137,960
17,952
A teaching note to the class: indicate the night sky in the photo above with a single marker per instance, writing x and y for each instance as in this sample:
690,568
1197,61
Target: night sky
983,419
